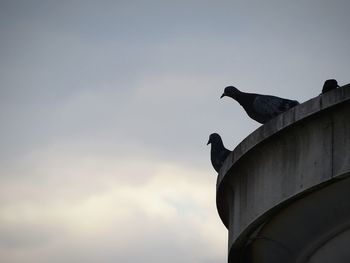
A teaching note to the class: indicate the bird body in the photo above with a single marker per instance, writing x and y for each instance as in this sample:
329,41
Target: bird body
329,84
218,153
260,108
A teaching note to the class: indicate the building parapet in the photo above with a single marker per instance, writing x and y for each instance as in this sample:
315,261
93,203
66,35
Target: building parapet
299,153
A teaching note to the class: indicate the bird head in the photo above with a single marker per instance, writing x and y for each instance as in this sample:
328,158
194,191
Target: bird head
331,83
230,91
213,138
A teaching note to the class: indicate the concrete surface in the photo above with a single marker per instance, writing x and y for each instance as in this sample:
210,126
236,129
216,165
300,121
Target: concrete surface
297,161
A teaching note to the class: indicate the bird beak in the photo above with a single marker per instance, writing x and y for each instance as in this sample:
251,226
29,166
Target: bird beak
223,95
338,86
208,142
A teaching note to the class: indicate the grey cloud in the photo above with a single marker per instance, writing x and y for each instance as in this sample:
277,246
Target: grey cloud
124,81
24,236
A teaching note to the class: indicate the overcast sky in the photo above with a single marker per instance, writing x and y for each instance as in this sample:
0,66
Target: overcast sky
106,108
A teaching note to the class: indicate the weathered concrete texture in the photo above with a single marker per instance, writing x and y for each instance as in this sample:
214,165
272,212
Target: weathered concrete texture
306,228
285,162
335,250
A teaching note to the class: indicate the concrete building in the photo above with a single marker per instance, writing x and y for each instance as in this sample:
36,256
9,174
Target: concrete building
284,192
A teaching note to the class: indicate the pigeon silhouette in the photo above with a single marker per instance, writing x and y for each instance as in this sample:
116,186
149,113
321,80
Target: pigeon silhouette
260,108
218,153
329,84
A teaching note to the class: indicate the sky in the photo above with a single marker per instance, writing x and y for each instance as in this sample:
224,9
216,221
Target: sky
106,108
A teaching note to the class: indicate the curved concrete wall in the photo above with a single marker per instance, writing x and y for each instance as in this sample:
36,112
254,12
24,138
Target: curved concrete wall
290,162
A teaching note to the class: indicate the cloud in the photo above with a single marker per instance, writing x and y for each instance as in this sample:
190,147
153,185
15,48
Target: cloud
73,205
106,108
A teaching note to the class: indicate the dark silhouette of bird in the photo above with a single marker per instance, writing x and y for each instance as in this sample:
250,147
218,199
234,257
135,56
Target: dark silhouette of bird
218,153
260,108
329,84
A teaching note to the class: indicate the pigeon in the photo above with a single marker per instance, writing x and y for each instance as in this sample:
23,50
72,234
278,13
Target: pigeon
329,84
218,153
260,108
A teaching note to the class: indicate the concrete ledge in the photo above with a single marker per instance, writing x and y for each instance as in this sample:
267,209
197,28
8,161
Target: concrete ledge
312,228
296,153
